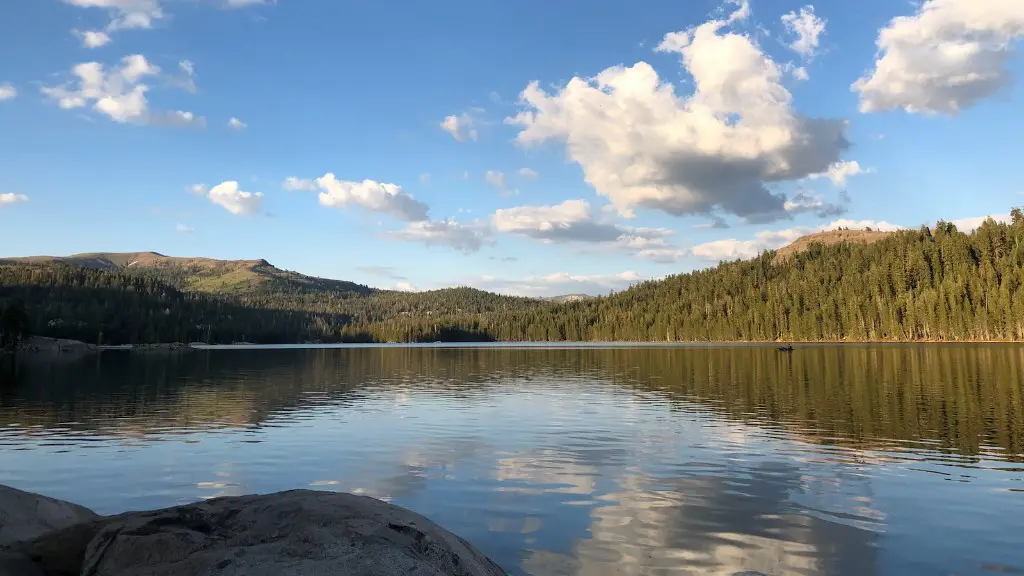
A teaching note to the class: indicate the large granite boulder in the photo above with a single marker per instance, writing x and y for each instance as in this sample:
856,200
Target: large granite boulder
25,516
300,532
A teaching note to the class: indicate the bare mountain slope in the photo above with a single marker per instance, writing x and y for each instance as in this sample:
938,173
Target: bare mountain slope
204,274
829,238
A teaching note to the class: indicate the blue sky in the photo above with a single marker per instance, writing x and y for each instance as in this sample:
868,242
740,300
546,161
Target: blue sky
527,147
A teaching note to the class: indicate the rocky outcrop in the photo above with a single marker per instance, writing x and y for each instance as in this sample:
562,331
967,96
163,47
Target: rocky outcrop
288,533
25,516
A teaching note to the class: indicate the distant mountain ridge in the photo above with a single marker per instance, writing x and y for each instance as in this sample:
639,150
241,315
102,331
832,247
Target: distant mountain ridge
203,274
932,283
214,276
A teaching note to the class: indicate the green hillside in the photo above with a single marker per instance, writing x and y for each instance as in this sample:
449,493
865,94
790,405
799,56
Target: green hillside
928,284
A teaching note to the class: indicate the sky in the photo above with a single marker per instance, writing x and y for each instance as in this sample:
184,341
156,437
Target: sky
527,147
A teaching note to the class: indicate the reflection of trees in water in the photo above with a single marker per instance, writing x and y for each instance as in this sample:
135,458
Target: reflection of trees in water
965,396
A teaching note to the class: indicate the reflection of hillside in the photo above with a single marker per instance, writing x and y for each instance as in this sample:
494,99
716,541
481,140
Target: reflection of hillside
965,397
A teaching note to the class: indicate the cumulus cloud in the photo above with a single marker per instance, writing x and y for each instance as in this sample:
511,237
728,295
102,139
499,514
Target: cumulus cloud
642,145
8,91
732,248
968,225
650,244
374,196
184,228
294,184
465,238
569,221
92,38
236,124
806,28
558,283
806,202
230,197
462,127
125,14
198,189
945,57
528,174
573,221
840,172
119,94
12,198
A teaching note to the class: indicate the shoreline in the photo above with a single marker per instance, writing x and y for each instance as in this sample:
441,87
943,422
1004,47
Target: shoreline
44,346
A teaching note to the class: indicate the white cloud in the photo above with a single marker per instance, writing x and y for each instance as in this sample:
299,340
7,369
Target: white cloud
732,248
405,287
650,244
946,57
807,28
528,174
425,179
178,118
92,38
465,238
800,73
184,229
8,91
558,283
804,202
880,225
125,14
496,179
187,81
573,221
236,124
840,172
374,196
12,198
117,94
198,189
968,225
569,221
462,127
641,145
234,200
293,184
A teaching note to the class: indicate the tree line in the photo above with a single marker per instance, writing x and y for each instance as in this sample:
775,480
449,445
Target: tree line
935,283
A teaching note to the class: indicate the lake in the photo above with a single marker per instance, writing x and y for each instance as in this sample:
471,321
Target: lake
626,460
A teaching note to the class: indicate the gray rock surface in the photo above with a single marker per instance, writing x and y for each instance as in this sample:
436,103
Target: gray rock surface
25,516
300,532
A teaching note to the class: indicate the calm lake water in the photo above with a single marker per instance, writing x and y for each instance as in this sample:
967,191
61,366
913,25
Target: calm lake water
852,460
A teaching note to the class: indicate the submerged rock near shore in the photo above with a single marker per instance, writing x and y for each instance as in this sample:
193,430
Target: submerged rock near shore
299,532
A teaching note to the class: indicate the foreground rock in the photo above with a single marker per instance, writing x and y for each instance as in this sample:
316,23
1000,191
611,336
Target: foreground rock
300,532
25,516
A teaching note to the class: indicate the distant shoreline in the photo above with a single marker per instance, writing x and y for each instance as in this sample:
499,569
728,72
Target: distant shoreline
64,347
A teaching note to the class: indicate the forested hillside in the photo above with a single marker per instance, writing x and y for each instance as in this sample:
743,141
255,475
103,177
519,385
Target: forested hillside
933,283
